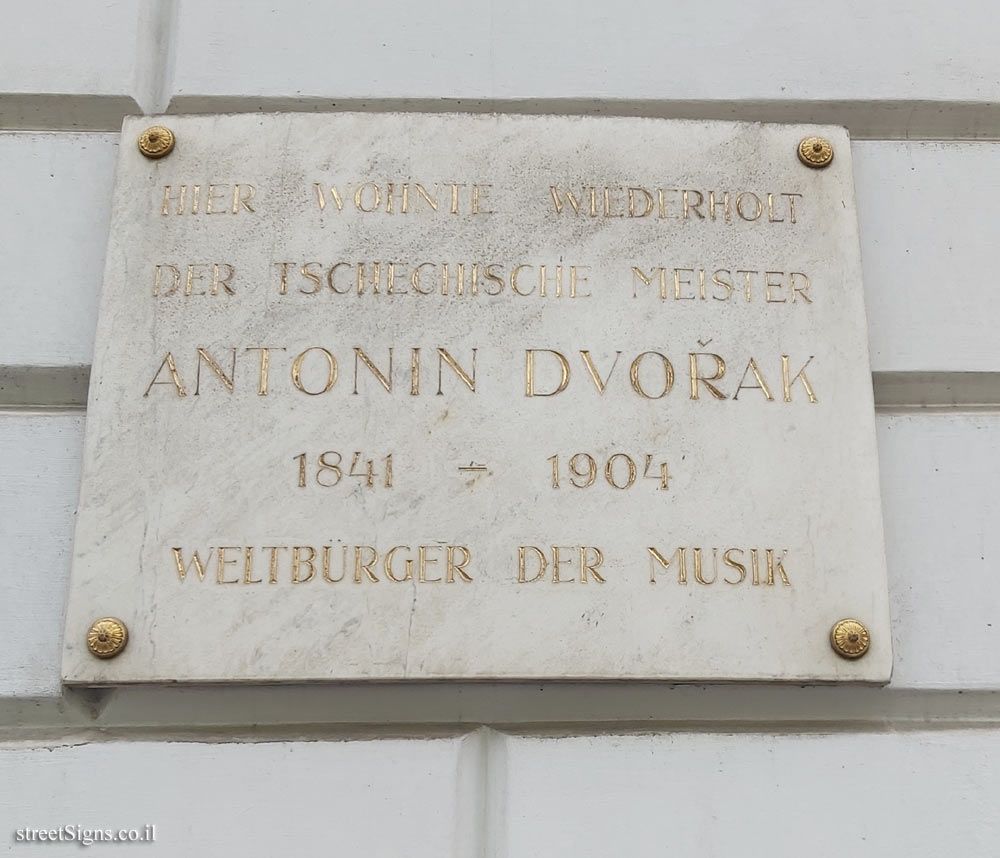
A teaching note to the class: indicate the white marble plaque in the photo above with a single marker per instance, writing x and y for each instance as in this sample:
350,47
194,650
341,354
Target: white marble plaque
385,397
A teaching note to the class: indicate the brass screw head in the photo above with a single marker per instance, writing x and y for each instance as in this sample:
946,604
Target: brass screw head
156,141
815,152
850,638
107,637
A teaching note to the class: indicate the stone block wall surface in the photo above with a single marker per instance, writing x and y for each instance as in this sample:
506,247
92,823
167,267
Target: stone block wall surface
515,770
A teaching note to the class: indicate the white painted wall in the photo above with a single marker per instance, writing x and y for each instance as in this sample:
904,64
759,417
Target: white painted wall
515,771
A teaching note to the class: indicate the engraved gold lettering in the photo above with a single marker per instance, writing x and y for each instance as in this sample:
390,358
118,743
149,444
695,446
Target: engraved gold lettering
647,279
312,277
224,561
776,564
687,206
607,205
599,383
647,202
454,196
385,380
478,198
326,564
422,193
522,561
298,561
791,205
787,381
733,561
445,358
192,275
248,567
543,281
243,201
746,282
272,566
265,363
183,569
758,208
727,212
227,380
513,280
661,199
490,274
224,282
375,196
725,284
772,218
760,385
321,197
575,278
407,565
529,372
557,561
729,561
698,572
591,565
799,290
391,282
609,470
168,362
678,283
415,279
415,372
365,566
424,561
175,280
696,376
451,567
656,558
283,279
534,559
331,372
329,277
215,194
770,284
636,381
459,278
167,197
376,277
556,199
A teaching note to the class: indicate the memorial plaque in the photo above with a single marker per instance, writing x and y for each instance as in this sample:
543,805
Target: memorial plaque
387,397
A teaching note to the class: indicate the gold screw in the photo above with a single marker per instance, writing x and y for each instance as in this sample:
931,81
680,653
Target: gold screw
850,638
107,637
815,152
156,141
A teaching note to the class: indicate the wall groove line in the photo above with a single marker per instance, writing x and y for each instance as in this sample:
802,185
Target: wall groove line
43,388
